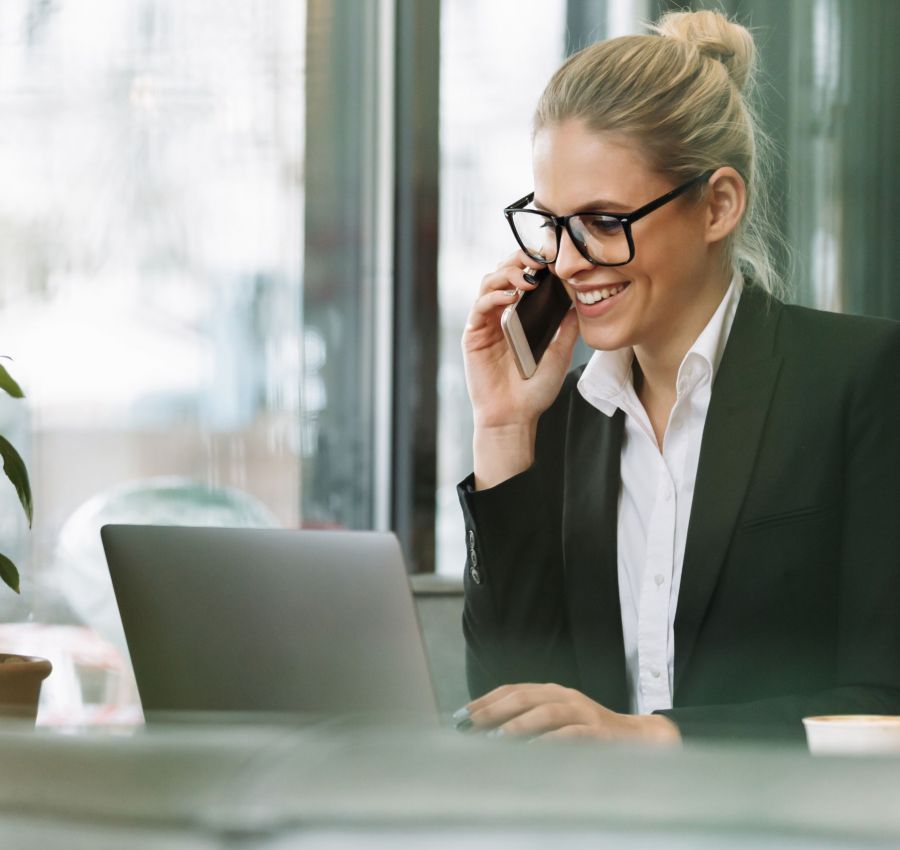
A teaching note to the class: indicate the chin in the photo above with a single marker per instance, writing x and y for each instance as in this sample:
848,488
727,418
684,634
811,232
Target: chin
604,339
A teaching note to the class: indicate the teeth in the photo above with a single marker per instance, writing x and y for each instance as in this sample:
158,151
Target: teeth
595,295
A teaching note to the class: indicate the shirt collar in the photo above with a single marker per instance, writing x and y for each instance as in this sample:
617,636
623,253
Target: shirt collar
608,377
710,345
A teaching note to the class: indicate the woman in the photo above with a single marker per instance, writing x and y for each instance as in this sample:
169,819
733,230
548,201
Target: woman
697,533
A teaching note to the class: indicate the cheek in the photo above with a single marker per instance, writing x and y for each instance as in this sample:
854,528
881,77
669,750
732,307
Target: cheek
671,253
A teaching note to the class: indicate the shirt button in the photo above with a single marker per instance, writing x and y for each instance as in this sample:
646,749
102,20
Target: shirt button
677,424
667,493
654,674
659,579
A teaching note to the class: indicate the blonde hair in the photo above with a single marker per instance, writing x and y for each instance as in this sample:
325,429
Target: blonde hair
684,95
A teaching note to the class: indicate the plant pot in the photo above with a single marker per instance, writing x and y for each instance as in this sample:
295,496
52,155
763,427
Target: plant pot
20,685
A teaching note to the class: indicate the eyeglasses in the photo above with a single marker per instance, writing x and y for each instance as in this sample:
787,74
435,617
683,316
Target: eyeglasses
602,238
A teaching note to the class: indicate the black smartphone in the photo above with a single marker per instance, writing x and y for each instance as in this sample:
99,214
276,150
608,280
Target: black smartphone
530,324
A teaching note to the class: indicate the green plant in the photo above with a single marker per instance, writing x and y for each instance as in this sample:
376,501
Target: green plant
15,470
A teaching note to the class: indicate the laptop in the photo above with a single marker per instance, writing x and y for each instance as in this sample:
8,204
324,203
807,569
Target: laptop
318,623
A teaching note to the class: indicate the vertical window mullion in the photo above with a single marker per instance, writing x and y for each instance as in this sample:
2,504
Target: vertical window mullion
416,293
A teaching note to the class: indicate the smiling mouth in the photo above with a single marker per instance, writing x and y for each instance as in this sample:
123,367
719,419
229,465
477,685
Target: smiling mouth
592,296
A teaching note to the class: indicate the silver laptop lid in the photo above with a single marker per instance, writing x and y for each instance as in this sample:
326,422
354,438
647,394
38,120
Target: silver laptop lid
221,619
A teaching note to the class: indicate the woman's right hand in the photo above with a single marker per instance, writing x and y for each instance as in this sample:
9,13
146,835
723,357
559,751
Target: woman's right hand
506,407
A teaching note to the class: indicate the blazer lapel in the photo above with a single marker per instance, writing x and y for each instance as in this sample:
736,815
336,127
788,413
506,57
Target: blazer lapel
593,447
734,424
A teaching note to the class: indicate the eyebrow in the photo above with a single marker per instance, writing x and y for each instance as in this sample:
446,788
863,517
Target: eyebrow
600,205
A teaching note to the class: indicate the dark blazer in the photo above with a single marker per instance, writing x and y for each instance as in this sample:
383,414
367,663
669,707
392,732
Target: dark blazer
790,589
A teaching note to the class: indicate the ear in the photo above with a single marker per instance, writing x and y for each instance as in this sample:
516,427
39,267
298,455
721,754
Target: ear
725,203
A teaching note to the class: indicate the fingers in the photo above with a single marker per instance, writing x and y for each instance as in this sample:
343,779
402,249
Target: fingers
550,712
499,693
498,291
500,288
509,703
519,259
511,272
544,718
568,733
496,298
508,277
484,317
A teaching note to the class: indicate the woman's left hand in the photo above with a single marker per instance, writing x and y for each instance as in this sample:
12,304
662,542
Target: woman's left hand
552,711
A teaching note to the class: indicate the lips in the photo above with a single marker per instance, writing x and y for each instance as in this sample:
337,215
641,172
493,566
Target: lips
593,301
600,293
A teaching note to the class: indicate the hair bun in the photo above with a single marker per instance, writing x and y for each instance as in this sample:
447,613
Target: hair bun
713,35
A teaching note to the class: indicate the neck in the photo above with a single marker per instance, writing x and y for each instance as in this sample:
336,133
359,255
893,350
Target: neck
659,359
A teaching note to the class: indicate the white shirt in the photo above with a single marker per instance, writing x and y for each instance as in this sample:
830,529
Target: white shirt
655,498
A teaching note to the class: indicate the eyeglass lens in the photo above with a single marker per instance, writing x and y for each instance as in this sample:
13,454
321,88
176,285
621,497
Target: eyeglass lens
601,237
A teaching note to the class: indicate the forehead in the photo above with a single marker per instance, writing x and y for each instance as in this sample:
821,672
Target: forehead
574,167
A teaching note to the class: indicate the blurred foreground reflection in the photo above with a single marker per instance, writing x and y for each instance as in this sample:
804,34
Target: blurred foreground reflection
337,783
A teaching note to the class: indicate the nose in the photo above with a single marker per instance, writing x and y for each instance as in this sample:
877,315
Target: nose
568,259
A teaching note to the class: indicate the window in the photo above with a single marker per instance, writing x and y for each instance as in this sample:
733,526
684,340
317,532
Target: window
151,286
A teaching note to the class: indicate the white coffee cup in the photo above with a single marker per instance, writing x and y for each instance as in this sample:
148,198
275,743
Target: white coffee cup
853,734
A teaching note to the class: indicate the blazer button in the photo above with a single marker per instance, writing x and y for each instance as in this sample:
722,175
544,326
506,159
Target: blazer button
471,539
475,574
473,557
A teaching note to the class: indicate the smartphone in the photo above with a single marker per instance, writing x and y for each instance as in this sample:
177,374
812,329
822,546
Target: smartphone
530,324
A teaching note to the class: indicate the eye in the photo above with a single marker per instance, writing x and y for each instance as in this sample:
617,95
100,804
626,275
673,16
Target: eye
602,225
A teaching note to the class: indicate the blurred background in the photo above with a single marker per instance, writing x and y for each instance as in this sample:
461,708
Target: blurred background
239,239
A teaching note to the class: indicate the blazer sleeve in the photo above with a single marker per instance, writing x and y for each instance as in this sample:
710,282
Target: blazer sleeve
867,662
514,617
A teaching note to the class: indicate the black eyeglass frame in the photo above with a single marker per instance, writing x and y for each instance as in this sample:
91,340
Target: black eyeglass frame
626,220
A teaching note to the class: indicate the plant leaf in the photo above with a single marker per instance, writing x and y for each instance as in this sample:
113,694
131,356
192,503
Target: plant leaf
9,573
7,383
15,470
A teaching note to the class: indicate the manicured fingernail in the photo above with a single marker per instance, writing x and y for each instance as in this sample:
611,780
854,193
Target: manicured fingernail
461,718
530,278
495,733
